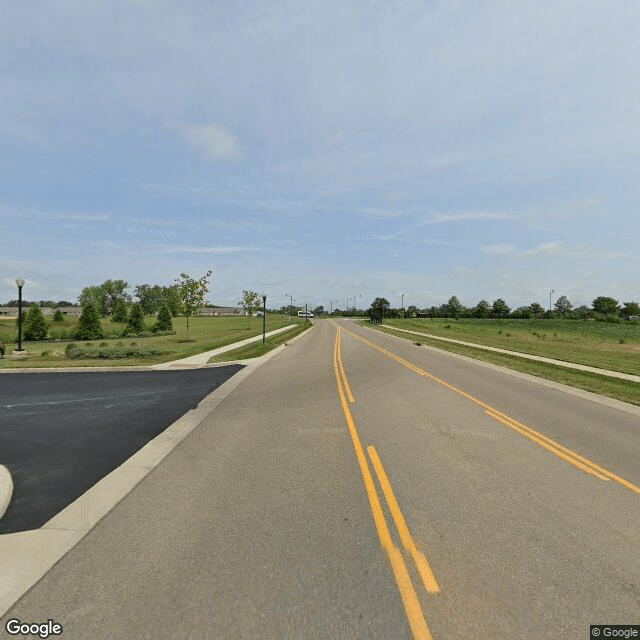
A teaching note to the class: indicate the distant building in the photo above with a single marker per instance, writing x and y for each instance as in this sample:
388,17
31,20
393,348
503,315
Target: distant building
222,311
12,312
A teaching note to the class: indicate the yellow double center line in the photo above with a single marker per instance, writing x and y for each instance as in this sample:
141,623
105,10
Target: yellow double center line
586,465
408,594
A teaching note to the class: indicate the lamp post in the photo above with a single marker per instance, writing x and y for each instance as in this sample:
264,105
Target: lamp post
288,295
264,318
550,292
402,306
20,283
348,304
358,295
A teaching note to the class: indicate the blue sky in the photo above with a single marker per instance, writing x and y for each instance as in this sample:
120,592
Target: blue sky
322,149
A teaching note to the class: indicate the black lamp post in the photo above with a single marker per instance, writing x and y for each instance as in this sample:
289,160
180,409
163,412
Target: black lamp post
20,283
264,319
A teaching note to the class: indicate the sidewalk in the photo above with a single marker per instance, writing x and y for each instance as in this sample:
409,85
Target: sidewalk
527,356
201,359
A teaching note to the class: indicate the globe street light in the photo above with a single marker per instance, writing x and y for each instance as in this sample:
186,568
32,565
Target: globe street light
20,283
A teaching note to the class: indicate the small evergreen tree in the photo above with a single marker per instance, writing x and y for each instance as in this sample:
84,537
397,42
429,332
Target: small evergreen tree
58,316
89,327
35,326
135,323
163,323
120,311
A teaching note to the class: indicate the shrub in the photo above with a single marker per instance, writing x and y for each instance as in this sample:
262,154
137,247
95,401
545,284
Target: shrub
163,323
45,354
104,344
89,327
120,311
111,353
135,323
58,316
35,326
70,347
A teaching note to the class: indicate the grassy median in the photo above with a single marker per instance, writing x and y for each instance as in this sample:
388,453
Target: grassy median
205,334
257,349
625,390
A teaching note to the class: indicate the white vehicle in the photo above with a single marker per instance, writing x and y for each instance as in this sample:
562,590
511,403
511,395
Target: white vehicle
304,314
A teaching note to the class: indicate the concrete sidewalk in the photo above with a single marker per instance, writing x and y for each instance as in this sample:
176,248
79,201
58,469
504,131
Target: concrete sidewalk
201,359
527,356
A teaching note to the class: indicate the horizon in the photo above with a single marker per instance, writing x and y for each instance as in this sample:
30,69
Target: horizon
322,150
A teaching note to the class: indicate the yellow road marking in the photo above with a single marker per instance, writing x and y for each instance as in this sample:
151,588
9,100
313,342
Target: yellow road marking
421,562
570,456
342,374
412,607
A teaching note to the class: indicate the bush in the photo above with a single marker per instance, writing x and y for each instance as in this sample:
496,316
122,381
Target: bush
58,316
89,327
135,323
35,326
120,311
77,352
45,354
163,323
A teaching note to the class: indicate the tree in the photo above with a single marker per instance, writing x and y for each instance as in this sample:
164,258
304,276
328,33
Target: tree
35,326
500,308
630,309
114,290
58,316
605,305
163,323
250,303
582,312
150,297
379,308
319,310
523,313
562,306
453,308
482,309
120,311
191,294
172,298
95,297
89,327
536,309
135,321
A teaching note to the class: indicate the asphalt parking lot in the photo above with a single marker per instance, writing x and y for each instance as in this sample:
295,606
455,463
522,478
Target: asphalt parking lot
60,433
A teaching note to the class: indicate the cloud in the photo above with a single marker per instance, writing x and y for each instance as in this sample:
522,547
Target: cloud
546,248
498,248
213,140
442,218
195,249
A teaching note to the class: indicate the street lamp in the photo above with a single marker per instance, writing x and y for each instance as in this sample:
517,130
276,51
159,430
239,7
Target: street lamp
331,306
403,305
348,304
20,283
358,295
550,292
264,318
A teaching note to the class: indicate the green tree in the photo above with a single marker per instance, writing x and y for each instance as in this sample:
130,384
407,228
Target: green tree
114,290
630,309
35,326
319,310
563,306
605,305
120,311
378,309
250,303
536,309
89,327
482,309
163,323
95,297
191,294
500,308
58,316
135,322
453,308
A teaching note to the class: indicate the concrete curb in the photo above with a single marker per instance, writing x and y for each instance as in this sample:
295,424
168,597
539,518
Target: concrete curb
26,556
620,405
6,489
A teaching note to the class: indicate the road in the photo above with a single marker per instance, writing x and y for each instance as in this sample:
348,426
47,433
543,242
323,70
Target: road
447,501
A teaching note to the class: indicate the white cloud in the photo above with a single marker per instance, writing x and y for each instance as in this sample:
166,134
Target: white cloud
441,218
546,248
498,248
213,140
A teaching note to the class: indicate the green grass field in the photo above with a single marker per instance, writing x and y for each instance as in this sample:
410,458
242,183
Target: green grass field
573,343
596,344
205,333
257,349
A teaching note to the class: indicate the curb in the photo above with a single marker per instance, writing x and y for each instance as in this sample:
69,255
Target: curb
28,555
6,489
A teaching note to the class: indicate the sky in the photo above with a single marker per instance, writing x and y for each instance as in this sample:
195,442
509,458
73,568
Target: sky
322,149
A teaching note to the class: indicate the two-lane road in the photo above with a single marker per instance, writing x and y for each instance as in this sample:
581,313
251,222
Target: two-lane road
359,486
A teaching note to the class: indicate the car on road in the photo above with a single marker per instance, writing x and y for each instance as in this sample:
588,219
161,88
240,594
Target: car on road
305,314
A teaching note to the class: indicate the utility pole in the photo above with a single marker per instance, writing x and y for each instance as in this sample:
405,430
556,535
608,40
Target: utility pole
264,319
550,292
403,306
306,313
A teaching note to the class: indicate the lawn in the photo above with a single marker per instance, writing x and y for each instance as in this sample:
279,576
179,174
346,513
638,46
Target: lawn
624,390
205,333
596,344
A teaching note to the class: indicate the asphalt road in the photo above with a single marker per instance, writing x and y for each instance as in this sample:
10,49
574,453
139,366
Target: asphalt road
446,501
62,432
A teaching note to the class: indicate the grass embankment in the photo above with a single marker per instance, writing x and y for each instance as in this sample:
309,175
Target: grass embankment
602,342
257,349
205,334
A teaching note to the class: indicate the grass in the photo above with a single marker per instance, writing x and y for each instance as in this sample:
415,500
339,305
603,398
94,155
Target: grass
596,344
257,349
624,390
206,333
